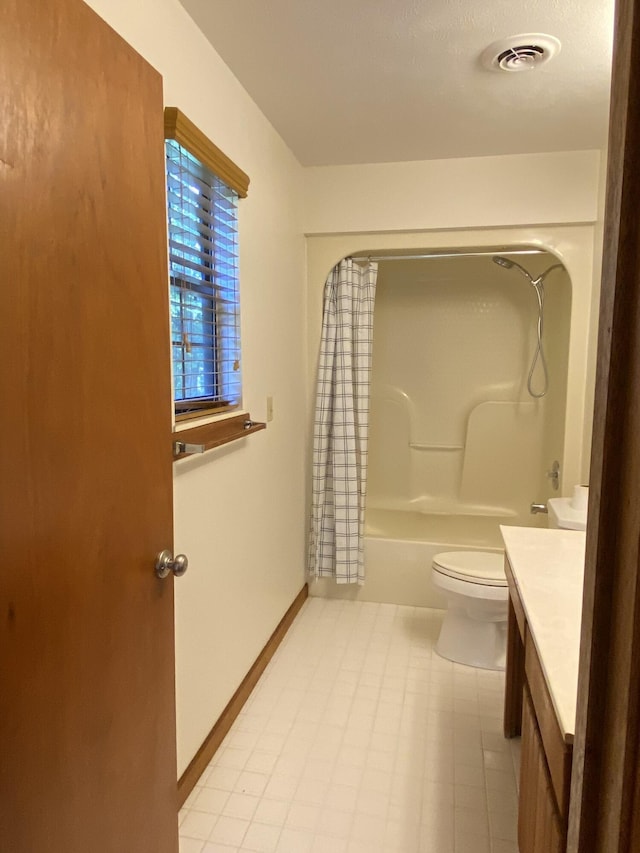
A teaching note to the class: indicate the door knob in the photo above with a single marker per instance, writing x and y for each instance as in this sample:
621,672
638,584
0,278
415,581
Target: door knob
166,563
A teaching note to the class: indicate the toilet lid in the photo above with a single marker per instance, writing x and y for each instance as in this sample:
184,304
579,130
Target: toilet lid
474,566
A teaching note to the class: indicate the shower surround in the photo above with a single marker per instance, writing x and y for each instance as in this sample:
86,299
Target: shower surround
457,445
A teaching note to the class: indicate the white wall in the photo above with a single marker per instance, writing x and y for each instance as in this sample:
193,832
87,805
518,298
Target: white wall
239,511
476,192
595,310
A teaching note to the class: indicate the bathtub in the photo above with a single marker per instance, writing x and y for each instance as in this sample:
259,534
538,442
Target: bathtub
399,549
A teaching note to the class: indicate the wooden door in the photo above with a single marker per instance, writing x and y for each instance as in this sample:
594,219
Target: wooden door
605,784
87,732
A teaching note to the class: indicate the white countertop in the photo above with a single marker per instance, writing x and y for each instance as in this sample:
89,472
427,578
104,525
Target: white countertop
548,567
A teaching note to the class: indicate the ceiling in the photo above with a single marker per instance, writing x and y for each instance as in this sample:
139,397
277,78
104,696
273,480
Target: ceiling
369,81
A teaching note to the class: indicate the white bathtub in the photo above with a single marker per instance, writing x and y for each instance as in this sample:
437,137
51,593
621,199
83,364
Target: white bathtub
399,549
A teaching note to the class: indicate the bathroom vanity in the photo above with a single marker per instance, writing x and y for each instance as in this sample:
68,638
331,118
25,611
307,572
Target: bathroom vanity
545,570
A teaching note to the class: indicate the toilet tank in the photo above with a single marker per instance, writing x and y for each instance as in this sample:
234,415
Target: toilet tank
562,513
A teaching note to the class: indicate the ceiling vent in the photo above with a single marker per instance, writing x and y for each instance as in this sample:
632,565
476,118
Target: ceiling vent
525,52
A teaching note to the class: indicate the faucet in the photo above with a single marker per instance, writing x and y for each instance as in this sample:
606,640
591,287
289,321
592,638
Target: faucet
554,476
536,508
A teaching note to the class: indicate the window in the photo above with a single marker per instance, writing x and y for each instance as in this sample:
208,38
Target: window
203,188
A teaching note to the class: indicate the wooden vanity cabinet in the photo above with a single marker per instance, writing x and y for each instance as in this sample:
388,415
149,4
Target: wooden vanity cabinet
545,768
540,829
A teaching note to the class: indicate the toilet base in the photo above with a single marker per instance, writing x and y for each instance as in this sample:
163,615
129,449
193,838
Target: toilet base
473,642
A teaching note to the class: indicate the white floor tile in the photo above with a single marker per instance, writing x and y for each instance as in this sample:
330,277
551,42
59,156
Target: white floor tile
360,739
271,811
407,813
504,825
281,787
311,791
345,775
467,774
197,825
242,739
341,797
318,769
494,760
229,830
368,828
470,797
355,846
252,783
190,845
303,816
328,844
376,780
334,823
294,840
436,836
471,822
261,762
223,778
253,722
232,757
502,801
471,843
240,805
401,835
352,756
500,780
211,800
262,838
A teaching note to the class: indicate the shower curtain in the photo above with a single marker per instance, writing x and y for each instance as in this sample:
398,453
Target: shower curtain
340,435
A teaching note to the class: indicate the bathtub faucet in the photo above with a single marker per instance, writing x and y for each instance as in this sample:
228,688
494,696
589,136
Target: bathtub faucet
536,508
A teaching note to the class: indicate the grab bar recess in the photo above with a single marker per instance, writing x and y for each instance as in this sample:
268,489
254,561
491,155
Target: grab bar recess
416,445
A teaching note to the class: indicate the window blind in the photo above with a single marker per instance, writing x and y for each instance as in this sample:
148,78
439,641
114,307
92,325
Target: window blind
203,267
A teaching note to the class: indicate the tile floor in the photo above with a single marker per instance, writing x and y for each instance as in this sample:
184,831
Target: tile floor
360,739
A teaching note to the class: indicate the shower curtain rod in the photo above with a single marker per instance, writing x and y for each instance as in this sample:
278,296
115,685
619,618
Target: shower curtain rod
504,250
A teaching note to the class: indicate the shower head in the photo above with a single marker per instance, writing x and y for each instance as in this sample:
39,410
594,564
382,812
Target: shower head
508,264
538,286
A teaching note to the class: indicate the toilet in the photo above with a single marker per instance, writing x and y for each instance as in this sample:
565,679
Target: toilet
474,631
569,513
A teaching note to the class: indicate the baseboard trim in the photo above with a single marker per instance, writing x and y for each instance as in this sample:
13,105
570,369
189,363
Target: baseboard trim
215,737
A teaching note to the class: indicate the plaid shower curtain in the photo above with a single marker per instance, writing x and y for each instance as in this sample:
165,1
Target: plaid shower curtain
340,434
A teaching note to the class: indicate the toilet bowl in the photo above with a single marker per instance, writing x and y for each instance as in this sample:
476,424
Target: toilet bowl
474,631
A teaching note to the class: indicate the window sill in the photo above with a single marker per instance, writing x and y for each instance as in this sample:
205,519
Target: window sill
187,442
